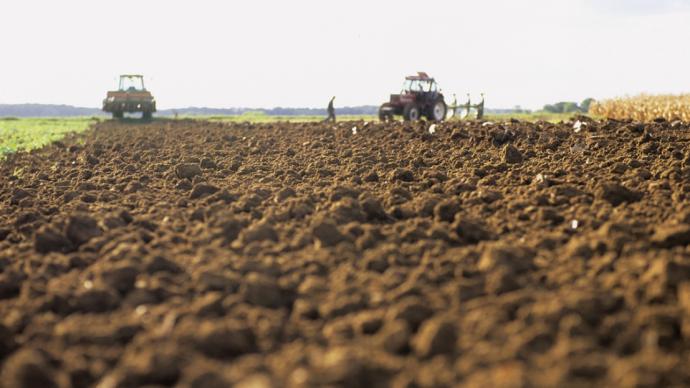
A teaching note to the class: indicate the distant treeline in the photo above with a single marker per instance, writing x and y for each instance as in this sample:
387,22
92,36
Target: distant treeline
45,110
569,107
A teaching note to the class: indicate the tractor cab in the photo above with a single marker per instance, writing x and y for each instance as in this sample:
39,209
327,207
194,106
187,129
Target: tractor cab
131,83
419,84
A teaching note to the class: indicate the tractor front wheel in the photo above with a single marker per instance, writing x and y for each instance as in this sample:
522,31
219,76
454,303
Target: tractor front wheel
411,112
385,113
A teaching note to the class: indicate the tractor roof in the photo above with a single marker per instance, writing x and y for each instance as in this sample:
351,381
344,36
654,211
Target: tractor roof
421,76
131,75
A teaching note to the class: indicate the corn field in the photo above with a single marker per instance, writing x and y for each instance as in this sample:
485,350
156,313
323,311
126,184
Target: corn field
645,107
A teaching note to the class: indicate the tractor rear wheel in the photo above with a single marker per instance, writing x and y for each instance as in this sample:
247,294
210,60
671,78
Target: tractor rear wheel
411,112
118,115
146,115
438,111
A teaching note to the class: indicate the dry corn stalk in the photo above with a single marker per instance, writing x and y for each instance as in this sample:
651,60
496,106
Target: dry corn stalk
645,107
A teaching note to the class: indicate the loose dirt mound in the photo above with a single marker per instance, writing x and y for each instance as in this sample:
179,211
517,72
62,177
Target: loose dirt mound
203,254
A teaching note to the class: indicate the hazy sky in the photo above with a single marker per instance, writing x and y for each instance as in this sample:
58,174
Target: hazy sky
266,53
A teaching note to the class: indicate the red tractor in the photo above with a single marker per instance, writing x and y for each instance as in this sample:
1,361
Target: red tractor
420,96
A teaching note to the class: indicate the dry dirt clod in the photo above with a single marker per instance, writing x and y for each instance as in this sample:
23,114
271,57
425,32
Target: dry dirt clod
511,155
327,233
223,339
95,301
373,209
617,194
7,342
512,258
669,236
285,193
49,240
30,368
202,189
213,281
412,311
120,278
446,210
394,336
187,170
207,163
261,231
402,174
435,336
82,228
469,231
262,291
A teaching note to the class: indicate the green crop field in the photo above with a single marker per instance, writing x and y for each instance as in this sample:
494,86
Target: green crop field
30,133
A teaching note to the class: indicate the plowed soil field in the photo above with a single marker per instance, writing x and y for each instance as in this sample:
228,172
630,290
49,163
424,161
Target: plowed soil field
195,254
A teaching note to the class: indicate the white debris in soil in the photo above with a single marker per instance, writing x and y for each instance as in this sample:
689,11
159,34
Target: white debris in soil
432,129
578,126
